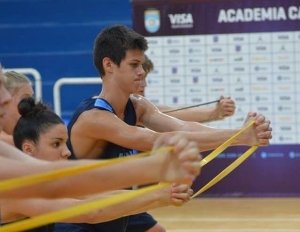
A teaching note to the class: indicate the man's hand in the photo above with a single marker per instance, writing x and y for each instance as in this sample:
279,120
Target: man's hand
225,107
182,163
261,133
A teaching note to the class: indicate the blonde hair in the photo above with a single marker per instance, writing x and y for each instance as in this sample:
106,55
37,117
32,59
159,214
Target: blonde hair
13,81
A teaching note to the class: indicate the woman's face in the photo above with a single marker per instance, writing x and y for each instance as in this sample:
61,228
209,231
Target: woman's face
11,116
52,145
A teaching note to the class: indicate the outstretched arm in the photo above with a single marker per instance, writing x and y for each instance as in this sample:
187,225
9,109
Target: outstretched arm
14,210
182,164
224,108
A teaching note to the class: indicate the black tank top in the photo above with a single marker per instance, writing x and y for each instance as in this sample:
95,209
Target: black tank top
111,151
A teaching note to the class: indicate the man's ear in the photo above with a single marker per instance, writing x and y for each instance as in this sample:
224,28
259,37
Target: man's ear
107,65
28,147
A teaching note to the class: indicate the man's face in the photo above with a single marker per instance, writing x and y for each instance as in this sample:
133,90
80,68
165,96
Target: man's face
131,73
5,98
143,85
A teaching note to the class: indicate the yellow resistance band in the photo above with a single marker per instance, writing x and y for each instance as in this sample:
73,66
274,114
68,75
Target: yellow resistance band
231,167
97,204
53,175
78,209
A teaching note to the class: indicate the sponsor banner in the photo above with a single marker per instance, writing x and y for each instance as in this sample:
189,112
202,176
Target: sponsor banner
212,17
249,50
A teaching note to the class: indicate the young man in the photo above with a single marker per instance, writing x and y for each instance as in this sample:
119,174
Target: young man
13,163
104,126
224,108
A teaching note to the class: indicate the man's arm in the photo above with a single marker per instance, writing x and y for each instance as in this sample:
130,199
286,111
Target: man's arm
224,108
182,164
111,128
207,137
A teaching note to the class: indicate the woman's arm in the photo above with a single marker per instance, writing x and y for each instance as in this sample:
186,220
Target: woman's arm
14,210
182,165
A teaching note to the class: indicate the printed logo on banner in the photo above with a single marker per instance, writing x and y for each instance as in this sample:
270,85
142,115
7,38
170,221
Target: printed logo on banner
196,90
183,20
194,50
238,48
196,100
217,79
195,79
152,20
174,70
215,38
175,99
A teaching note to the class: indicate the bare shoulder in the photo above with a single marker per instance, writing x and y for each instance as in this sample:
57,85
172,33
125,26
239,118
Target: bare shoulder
94,116
141,102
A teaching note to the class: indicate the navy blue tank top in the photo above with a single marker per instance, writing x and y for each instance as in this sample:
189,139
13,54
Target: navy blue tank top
45,228
111,151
